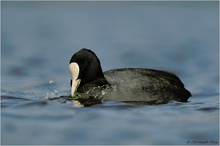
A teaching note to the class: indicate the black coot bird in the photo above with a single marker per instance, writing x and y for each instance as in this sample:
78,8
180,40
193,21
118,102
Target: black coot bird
126,84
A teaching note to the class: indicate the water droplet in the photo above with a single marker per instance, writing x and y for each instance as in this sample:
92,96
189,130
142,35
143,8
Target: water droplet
51,81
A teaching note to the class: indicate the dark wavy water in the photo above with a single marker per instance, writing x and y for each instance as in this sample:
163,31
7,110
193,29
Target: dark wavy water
38,39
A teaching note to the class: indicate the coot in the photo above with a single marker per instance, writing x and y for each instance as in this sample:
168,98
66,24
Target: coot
126,84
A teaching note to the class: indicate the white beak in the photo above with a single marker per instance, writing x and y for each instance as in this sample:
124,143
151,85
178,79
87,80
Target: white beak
74,71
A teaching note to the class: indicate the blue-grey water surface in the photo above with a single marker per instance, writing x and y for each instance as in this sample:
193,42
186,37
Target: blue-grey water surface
38,39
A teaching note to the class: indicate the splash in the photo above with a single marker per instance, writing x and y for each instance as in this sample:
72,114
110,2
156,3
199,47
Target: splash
60,89
99,91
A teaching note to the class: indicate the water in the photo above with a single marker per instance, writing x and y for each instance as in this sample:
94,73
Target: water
38,39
